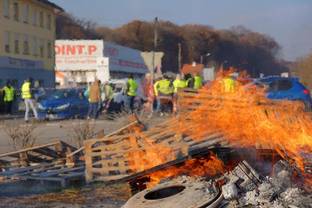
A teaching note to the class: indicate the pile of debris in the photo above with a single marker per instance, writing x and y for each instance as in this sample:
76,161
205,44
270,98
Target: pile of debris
241,187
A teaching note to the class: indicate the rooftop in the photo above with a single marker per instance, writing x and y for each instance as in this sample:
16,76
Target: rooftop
51,4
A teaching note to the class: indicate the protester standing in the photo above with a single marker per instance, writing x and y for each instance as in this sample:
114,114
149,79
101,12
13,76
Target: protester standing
28,99
228,83
109,95
198,81
148,90
94,99
132,87
178,84
8,98
163,91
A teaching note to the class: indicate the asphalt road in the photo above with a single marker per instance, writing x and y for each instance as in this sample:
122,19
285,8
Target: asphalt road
47,132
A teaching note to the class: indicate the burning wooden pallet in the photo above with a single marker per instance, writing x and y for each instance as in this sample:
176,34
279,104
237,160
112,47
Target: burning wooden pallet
119,156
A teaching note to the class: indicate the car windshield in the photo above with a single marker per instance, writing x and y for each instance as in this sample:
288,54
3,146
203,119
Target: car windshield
61,94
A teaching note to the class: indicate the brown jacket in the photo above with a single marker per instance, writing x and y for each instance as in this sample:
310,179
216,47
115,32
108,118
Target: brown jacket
94,93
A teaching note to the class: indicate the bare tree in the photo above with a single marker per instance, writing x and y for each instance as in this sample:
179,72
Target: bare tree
21,135
82,131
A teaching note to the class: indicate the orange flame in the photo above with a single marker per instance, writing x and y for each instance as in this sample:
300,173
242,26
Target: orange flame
247,118
194,167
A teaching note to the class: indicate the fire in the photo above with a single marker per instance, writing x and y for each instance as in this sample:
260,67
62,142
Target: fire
145,154
194,167
245,117
248,119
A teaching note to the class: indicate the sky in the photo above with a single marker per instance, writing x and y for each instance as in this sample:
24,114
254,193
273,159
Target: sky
289,22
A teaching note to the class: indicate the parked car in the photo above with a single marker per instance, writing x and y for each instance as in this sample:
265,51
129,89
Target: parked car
63,104
289,88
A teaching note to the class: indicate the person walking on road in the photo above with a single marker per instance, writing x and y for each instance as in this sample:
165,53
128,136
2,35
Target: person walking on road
94,99
8,98
132,87
28,99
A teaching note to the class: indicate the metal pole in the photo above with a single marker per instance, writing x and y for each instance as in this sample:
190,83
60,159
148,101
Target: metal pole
155,47
179,57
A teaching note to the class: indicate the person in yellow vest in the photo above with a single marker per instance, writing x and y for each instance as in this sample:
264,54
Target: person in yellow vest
163,91
8,98
28,99
132,87
228,84
178,84
198,81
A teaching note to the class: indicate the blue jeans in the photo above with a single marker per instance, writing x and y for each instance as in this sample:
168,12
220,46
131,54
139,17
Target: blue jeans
93,110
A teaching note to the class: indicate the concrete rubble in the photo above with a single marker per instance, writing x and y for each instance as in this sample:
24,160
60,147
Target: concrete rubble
276,191
241,187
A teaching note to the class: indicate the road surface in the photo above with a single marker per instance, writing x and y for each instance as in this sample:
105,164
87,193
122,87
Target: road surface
46,132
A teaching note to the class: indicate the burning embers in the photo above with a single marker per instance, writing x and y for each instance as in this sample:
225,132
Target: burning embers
210,166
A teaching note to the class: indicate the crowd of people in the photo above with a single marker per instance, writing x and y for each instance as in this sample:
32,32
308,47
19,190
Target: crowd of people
159,95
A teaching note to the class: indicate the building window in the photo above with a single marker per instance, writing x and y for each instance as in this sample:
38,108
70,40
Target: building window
34,17
34,46
7,38
16,11
26,45
25,13
49,21
16,43
41,48
6,8
49,49
41,19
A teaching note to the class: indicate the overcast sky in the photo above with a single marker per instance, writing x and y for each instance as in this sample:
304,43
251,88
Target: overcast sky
289,22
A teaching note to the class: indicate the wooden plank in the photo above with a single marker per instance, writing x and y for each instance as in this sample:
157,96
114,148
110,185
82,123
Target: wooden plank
46,151
60,171
8,154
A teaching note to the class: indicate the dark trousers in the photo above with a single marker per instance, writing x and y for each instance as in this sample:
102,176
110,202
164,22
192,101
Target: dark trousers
8,107
93,110
131,103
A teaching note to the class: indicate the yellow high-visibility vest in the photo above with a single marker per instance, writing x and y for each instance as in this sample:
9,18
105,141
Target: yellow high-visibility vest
26,94
163,86
198,82
8,94
229,84
179,84
132,87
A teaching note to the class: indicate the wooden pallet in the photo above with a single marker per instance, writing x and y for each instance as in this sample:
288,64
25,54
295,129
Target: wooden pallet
46,172
55,151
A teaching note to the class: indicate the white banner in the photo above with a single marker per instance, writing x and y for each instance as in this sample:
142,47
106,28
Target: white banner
77,54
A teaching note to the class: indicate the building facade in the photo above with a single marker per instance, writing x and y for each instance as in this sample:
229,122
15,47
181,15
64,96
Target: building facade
79,62
27,35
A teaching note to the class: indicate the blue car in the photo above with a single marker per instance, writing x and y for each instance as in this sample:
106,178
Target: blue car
289,88
63,104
